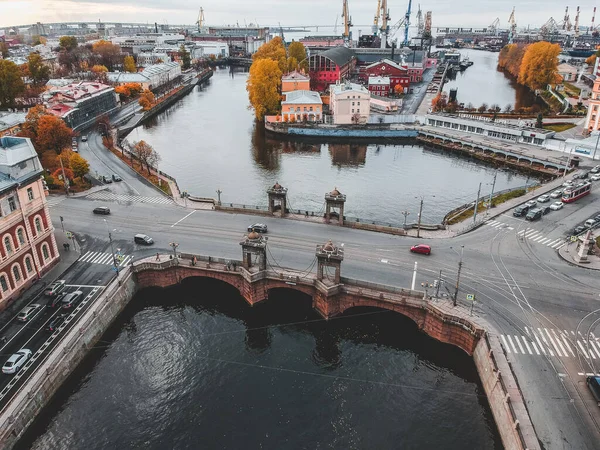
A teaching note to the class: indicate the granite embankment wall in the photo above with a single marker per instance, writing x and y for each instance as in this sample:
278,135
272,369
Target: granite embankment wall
63,359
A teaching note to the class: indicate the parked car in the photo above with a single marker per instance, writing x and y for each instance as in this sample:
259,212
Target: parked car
557,193
595,169
55,288
543,198
53,302
421,248
534,214
143,239
545,209
520,211
56,322
71,299
106,179
531,203
593,383
597,218
28,312
556,206
116,177
568,183
258,227
84,138
101,210
16,361
579,229
595,177
590,223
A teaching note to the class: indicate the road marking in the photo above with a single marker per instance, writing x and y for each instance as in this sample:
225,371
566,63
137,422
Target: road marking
558,342
511,343
527,345
505,343
519,344
545,341
183,218
588,374
384,261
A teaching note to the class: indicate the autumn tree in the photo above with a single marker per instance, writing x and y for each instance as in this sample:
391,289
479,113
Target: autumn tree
510,58
539,67
38,71
79,165
68,43
146,100
292,64
58,173
4,50
296,50
52,134
185,57
109,54
99,73
146,154
11,84
128,90
263,87
129,64
274,50
30,126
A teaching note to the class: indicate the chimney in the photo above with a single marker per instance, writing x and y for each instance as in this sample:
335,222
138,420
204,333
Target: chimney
155,27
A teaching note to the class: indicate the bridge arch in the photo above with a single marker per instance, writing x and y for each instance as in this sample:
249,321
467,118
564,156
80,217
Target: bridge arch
416,315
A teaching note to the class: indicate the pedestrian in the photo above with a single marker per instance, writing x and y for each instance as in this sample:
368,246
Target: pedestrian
65,246
157,257
68,246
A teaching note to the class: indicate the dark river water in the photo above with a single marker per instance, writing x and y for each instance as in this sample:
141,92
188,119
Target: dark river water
194,367
209,141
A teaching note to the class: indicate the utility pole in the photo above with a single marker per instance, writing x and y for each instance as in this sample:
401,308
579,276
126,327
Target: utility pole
419,222
476,204
462,249
596,148
65,181
492,193
112,251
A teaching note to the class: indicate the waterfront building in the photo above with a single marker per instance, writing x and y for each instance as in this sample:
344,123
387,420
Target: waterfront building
379,86
160,74
141,42
592,120
302,106
206,49
396,72
295,81
322,41
349,103
120,78
10,123
80,103
331,66
28,248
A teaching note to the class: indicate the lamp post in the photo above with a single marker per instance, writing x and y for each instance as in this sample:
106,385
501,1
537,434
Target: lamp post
112,252
462,249
405,214
174,245
492,193
426,286
422,197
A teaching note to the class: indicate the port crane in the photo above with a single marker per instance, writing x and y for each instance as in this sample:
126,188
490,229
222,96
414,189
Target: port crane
406,24
420,23
576,25
513,26
347,23
566,25
494,26
385,28
201,20
375,28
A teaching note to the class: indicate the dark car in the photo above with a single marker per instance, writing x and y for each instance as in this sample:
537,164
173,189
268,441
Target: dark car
579,229
258,227
545,210
83,138
520,211
421,248
593,383
56,322
143,239
534,214
106,178
116,177
102,210
53,302
71,299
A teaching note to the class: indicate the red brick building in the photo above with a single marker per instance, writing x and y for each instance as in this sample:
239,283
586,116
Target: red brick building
379,86
27,244
398,75
329,67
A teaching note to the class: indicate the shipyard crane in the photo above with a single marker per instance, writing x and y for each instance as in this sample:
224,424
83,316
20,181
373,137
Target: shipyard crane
281,33
420,23
201,19
513,26
551,27
494,26
406,24
576,26
375,28
347,23
385,28
593,20
335,26
427,30
566,25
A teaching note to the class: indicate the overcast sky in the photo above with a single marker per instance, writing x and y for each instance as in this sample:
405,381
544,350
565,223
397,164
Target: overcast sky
288,12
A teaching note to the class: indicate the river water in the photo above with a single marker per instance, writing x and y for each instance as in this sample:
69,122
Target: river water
194,367
209,140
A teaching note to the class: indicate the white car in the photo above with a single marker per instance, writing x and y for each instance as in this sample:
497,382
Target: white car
16,361
557,193
543,198
568,183
595,177
556,206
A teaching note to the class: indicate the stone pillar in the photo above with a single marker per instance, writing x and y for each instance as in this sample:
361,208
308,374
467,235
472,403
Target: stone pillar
583,248
254,245
334,200
329,256
277,197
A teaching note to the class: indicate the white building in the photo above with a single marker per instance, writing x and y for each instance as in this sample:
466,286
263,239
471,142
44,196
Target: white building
350,103
145,39
149,58
120,78
159,74
206,49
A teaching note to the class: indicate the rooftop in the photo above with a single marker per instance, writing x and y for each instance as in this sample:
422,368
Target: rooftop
302,97
379,80
127,77
18,161
389,62
348,86
77,91
339,55
295,76
59,109
157,69
9,120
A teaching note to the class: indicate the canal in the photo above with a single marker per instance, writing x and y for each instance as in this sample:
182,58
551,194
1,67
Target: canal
209,140
195,367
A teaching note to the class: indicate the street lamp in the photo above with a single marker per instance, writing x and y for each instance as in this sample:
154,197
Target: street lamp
426,286
405,214
174,245
112,252
422,197
492,193
462,249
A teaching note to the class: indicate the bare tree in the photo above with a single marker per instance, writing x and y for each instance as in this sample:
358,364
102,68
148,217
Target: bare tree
508,108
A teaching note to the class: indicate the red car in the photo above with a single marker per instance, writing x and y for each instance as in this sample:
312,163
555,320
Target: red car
421,248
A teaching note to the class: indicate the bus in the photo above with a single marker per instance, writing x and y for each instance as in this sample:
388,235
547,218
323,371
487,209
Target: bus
574,193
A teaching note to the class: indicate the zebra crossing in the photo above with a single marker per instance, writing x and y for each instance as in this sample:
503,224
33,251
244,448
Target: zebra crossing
55,200
111,197
105,258
499,225
539,238
550,342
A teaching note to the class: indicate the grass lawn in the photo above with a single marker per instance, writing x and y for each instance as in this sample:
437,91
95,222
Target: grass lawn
572,89
559,126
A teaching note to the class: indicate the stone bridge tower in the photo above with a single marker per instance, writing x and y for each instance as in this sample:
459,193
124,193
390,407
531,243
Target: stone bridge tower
277,199
254,252
329,256
334,204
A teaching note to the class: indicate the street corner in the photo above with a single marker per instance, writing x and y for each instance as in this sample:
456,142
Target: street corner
581,251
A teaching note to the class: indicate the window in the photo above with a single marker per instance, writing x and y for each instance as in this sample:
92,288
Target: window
358,103
311,108
45,252
7,245
21,236
353,110
38,224
358,111
291,109
17,274
352,103
11,204
3,283
28,265
30,193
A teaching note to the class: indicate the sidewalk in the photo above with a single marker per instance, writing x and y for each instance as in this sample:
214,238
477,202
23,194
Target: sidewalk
67,259
568,251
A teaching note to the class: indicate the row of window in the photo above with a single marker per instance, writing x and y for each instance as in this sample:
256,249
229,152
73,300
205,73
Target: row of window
298,109
18,277
8,241
478,130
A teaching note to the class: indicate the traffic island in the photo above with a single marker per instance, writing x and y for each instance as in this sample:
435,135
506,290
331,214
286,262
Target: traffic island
582,251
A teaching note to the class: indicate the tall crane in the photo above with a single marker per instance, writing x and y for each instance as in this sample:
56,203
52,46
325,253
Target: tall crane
567,20
427,29
385,28
593,19
513,26
376,20
347,23
406,24
201,19
576,26
493,27
420,23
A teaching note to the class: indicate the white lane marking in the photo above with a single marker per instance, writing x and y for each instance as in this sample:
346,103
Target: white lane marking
183,218
519,344
552,341
564,338
545,342
544,241
511,344
526,345
558,342
560,246
535,347
582,349
510,228
505,343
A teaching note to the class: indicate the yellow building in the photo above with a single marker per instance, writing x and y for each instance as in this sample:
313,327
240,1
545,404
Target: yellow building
295,81
300,106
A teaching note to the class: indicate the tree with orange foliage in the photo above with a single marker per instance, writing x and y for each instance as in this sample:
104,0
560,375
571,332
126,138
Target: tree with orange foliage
510,58
52,134
129,89
539,67
273,50
58,173
263,87
109,53
146,100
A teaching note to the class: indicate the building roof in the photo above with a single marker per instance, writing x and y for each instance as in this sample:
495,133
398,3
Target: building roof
389,62
157,69
302,98
59,82
77,91
295,76
379,80
9,120
347,86
18,161
127,77
339,55
59,109
564,67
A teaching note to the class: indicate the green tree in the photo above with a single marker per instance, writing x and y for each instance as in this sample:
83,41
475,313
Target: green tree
38,71
185,57
263,86
129,64
68,43
297,50
79,165
11,84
